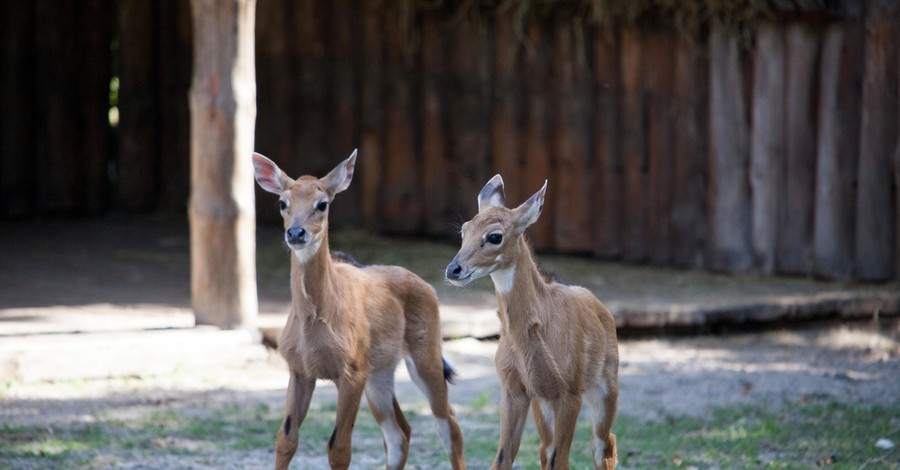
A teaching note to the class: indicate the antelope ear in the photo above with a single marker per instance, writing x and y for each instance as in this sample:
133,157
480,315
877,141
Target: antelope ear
530,210
268,175
492,194
339,178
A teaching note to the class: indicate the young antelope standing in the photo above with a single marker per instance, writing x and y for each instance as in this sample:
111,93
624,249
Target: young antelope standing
557,342
352,325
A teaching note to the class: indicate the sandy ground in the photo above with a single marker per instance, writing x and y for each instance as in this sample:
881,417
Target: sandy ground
660,378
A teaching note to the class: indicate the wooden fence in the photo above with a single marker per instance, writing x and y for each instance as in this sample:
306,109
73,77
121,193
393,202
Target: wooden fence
771,148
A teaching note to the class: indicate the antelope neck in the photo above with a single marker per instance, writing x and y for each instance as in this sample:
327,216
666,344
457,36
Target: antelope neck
312,280
519,287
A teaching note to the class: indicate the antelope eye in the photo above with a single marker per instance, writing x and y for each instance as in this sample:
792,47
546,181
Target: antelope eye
494,238
282,205
322,206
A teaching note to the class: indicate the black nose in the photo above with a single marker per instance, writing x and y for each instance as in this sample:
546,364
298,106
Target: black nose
453,271
296,235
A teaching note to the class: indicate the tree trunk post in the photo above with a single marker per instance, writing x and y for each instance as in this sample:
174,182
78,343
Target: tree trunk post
222,212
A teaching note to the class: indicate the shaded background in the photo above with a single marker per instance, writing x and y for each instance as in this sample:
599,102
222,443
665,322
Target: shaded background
734,136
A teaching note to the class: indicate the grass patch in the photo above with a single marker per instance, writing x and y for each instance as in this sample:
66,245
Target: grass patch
798,436
803,436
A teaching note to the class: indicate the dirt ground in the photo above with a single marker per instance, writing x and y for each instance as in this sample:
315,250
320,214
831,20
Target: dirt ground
661,376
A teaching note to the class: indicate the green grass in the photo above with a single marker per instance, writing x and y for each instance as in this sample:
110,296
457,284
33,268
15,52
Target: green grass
797,436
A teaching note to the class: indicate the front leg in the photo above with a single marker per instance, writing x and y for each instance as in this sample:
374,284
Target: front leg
513,409
566,410
299,394
350,390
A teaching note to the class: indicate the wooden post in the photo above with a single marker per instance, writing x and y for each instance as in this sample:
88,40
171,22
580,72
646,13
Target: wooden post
874,203
730,224
838,147
796,218
138,170
572,208
767,143
372,112
174,52
607,173
276,113
659,72
56,107
437,189
96,20
343,134
402,201
538,163
468,111
18,170
223,113
635,240
508,110
690,152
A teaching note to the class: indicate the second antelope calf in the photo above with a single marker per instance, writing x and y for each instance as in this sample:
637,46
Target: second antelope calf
352,325
557,342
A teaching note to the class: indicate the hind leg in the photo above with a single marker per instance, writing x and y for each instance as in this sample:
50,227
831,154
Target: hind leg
426,367
394,427
602,401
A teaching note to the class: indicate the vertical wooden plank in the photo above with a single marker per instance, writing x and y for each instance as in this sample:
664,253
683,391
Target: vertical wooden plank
343,132
607,182
59,166
838,147
730,220
538,165
875,211
138,165
796,218
634,154
174,52
572,142
276,117
370,151
311,102
96,21
468,108
508,111
436,187
767,153
401,199
658,70
689,199
18,171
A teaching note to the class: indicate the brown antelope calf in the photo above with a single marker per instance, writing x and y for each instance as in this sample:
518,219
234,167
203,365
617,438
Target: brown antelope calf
352,325
557,342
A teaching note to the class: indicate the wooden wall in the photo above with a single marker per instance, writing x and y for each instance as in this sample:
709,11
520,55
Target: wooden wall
770,149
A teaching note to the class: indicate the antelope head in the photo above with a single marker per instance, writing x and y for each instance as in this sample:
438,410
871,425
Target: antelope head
490,239
303,202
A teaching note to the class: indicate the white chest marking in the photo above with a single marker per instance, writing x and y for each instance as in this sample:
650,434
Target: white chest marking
504,278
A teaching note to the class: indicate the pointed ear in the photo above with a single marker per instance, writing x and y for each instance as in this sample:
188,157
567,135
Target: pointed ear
268,175
339,178
492,194
530,210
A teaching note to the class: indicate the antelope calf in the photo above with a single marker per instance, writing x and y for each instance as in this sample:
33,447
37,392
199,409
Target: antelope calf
352,325
557,342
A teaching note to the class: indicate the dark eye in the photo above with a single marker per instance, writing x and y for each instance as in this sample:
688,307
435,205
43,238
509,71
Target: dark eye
494,238
282,205
322,206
